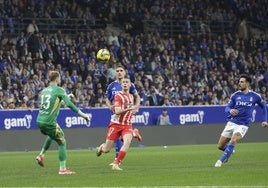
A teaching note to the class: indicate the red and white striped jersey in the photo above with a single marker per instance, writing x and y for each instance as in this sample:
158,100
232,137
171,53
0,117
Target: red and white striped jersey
123,101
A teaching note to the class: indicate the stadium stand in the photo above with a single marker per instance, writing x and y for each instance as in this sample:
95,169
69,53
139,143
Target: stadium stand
189,52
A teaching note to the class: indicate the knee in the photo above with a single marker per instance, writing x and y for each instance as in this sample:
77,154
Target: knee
221,147
61,142
236,138
105,149
234,141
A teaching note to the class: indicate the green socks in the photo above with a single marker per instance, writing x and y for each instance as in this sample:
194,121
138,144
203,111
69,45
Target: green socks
62,155
62,151
46,145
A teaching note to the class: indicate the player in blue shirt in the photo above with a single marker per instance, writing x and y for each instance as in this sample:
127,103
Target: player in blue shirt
239,108
114,88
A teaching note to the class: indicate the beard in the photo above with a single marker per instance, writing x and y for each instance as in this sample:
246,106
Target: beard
242,88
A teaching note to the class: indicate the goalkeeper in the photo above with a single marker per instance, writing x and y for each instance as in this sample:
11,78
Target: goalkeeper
51,98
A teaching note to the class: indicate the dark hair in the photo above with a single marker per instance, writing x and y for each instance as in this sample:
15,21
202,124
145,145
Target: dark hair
248,79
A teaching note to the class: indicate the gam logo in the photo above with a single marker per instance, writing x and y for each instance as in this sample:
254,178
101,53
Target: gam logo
141,118
25,121
192,118
77,120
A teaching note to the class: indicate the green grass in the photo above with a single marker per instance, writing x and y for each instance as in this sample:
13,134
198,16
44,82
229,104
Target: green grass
188,165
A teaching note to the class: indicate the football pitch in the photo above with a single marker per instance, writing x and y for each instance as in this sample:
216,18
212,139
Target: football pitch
171,166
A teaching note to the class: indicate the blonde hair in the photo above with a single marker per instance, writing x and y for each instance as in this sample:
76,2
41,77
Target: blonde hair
53,75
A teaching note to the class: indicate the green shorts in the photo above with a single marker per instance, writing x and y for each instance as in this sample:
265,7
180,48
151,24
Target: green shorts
53,131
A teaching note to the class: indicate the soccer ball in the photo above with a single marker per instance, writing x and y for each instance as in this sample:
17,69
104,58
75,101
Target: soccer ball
103,55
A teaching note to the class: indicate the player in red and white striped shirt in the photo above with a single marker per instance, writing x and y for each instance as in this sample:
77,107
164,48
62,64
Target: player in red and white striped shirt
120,124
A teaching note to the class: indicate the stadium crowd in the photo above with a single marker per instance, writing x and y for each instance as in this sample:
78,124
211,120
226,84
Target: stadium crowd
188,69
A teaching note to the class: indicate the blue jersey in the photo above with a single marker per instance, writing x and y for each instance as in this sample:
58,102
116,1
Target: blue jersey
245,104
114,87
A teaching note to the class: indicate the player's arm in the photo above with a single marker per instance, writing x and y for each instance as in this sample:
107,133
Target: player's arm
66,99
108,104
229,108
263,105
119,110
69,103
118,106
137,102
107,96
71,97
137,97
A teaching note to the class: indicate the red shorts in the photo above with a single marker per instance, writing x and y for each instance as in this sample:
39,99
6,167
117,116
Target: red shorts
116,131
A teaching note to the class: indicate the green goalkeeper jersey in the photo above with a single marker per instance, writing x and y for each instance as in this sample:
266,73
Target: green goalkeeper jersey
51,98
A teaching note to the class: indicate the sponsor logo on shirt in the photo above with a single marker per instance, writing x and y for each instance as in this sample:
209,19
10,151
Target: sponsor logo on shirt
244,103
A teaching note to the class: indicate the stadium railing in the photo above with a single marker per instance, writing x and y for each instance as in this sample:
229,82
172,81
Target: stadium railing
171,28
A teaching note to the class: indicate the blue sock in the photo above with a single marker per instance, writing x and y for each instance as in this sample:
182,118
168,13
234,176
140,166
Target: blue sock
227,152
118,145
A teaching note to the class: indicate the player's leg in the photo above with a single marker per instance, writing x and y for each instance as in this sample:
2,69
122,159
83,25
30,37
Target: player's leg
225,136
40,158
230,146
223,141
46,145
118,145
111,137
136,134
60,139
239,132
105,147
123,151
127,136
108,145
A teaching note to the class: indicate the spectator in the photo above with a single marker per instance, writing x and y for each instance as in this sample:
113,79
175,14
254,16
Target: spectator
32,28
163,118
154,98
184,59
139,64
113,39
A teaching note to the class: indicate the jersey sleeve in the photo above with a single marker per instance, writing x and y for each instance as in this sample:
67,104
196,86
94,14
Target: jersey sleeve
67,100
230,104
132,89
117,101
263,105
108,93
